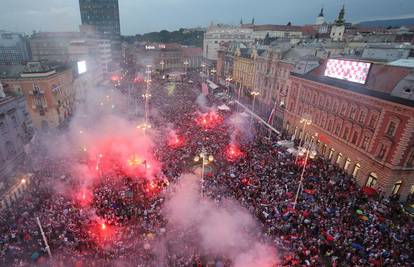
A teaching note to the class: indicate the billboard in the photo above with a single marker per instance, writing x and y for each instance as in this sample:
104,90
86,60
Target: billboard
353,71
81,67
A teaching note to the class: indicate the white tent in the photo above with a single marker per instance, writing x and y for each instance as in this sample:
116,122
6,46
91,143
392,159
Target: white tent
224,107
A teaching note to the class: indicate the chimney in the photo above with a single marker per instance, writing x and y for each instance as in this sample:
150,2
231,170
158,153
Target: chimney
2,94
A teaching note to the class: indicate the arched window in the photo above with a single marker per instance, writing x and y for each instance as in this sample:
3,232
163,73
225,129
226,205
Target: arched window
396,187
339,158
347,163
356,169
372,180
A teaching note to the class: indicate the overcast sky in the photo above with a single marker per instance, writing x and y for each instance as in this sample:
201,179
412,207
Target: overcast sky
140,16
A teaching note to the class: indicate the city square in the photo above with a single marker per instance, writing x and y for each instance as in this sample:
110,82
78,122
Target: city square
269,145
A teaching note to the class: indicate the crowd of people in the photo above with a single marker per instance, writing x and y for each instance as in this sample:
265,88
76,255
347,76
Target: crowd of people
333,224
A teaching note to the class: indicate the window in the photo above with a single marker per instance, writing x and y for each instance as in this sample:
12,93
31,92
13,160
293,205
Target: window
355,138
362,116
329,126
365,142
373,120
410,161
14,121
337,129
339,158
3,125
372,180
347,163
10,149
346,133
391,128
343,109
382,151
396,187
331,152
356,170
352,113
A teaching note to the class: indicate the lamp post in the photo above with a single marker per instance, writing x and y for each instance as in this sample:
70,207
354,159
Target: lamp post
305,122
309,153
254,94
228,81
213,72
205,158
146,96
185,66
144,126
203,65
162,65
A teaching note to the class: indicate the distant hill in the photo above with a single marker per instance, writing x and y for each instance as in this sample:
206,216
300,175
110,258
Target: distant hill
182,36
388,23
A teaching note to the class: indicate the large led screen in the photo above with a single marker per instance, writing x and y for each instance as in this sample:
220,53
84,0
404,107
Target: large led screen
81,67
352,71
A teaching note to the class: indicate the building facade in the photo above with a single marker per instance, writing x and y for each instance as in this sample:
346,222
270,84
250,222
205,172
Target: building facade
367,129
15,132
52,46
48,91
243,68
14,48
272,82
103,14
217,34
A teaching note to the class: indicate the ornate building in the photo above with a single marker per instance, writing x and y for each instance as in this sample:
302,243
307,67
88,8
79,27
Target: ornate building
365,128
48,90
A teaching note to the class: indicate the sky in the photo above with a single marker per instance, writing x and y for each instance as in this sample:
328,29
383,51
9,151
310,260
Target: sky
141,16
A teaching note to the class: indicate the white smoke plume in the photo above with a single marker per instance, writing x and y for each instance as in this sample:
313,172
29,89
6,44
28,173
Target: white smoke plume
240,130
224,229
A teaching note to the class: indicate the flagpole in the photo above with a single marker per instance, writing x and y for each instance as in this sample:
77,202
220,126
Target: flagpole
44,237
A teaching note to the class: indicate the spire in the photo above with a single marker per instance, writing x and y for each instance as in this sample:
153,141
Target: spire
340,21
321,14
241,21
253,21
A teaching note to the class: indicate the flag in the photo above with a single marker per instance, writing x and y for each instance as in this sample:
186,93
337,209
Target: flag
204,89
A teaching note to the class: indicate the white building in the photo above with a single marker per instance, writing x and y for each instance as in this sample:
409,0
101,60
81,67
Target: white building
223,33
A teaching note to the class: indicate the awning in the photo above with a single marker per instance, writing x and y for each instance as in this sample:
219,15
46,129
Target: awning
212,85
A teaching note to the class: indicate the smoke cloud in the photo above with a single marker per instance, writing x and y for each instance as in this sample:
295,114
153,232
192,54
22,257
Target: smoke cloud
224,229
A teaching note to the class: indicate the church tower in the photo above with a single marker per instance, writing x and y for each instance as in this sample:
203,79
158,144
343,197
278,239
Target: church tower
338,28
320,19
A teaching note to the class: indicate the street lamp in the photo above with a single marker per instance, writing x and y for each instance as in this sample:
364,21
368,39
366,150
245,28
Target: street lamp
309,152
146,96
305,122
203,65
213,72
185,66
205,159
254,94
162,65
228,81
144,126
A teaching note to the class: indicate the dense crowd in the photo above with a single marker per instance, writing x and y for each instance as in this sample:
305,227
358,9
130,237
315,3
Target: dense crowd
333,224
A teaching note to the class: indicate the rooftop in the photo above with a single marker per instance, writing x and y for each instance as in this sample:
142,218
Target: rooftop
381,82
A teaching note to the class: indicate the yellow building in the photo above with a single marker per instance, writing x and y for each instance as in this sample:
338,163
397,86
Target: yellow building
243,67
